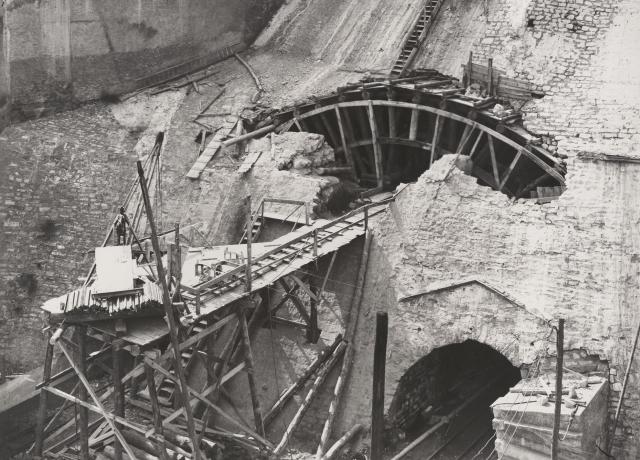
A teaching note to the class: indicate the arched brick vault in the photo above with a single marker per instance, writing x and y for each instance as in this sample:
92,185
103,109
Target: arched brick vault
468,309
391,132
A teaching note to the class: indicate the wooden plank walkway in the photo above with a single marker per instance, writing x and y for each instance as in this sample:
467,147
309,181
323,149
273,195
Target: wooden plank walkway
210,151
284,256
294,251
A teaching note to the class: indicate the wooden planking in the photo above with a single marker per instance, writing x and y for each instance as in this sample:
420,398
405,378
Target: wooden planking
298,259
249,161
504,86
210,151
146,331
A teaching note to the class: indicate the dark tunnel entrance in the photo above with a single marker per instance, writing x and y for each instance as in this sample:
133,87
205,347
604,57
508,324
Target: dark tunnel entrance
448,393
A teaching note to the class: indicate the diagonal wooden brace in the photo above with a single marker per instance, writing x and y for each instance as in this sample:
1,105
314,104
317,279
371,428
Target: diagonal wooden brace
97,402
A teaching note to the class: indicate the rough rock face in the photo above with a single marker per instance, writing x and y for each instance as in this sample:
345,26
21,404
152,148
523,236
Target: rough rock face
301,151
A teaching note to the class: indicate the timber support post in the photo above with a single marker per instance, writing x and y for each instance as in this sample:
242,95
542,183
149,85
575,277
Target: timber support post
42,409
249,236
178,260
377,407
490,78
118,390
248,364
155,407
169,313
558,403
313,331
82,393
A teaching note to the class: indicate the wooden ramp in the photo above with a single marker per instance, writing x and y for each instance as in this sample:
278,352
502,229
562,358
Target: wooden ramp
280,258
210,151
294,251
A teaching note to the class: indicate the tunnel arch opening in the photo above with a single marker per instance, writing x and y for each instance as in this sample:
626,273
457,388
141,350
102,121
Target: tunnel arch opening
449,392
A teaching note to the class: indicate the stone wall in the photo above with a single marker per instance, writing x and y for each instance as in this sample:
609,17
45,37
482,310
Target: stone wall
62,180
61,52
560,46
573,258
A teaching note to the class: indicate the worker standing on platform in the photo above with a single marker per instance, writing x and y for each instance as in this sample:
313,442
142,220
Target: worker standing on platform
120,228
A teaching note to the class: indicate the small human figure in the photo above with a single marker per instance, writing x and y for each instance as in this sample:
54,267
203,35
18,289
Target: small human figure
120,227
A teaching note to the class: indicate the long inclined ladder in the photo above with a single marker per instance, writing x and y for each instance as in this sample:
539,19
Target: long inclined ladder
416,37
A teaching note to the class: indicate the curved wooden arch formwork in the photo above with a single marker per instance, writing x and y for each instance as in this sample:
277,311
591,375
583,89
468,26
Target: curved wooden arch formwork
390,141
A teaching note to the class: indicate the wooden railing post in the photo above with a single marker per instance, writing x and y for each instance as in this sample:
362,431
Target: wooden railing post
248,360
262,205
315,243
249,235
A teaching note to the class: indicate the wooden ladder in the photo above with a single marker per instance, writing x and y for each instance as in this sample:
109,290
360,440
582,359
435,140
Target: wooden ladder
416,37
256,228
167,387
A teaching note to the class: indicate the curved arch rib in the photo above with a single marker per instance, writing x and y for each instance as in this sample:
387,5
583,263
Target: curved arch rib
368,105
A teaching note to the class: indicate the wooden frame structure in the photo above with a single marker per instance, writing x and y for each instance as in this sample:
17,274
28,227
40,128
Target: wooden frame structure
390,131
222,317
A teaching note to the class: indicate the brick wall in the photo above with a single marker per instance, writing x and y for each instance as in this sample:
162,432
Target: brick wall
62,180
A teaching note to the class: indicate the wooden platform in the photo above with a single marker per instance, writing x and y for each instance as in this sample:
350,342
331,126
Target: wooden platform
297,252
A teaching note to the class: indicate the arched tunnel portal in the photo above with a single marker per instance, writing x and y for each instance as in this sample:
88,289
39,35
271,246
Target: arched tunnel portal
449,392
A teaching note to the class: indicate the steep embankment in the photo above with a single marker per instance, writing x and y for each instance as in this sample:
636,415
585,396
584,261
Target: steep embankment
313,46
